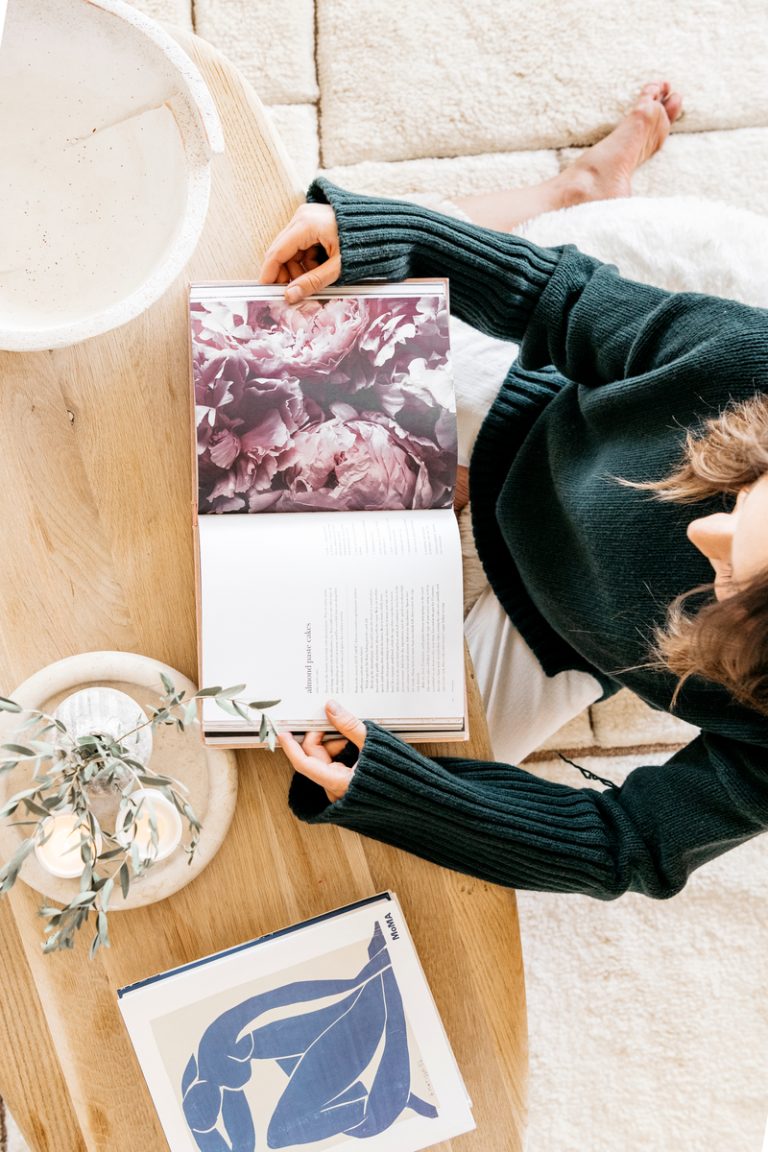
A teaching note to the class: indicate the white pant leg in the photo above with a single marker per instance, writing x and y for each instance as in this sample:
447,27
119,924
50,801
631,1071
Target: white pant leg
480,365
523,705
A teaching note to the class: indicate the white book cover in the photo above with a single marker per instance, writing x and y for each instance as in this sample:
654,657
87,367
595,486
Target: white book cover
323,1036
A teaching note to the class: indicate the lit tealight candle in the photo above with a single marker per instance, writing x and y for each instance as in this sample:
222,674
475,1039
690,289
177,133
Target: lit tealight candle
167,819
58,851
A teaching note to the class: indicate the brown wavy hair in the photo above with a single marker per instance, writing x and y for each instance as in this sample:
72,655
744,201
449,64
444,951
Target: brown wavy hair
726,641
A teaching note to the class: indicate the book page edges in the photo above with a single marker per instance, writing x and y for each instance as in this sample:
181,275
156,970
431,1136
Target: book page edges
386,895
247,740
203,289
194,510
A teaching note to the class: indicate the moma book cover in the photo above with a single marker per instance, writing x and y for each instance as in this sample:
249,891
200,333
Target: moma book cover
321,1036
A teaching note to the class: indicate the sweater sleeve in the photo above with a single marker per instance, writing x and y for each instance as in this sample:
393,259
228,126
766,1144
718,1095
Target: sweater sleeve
496,279
565,308
505,825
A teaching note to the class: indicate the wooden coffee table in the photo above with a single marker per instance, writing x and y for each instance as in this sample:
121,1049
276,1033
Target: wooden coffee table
95,503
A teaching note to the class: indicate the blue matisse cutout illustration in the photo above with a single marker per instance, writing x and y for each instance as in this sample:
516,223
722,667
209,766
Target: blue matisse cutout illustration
323,1052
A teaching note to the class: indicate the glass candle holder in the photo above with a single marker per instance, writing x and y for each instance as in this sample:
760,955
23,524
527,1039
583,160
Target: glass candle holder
58,849
167,818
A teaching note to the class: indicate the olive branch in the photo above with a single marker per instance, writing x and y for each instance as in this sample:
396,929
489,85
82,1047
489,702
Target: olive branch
64,768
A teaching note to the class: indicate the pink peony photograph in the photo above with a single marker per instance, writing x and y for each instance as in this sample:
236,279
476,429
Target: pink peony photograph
343,403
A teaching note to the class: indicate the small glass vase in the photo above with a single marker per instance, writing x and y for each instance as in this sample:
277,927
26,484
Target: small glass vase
107,712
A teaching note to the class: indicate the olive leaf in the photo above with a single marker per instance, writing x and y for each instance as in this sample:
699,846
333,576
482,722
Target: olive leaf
18,749
226,705
230,693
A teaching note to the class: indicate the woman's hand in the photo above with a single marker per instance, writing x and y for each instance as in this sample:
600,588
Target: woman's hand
294,255
315,758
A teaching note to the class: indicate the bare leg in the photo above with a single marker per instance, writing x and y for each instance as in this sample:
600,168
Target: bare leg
603,172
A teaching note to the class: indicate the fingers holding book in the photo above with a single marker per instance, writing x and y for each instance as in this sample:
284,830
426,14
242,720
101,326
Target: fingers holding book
315,756
295,256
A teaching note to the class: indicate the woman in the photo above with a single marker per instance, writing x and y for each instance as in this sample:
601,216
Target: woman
625,405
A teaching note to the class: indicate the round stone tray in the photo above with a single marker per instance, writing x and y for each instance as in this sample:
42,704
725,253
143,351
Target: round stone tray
210,774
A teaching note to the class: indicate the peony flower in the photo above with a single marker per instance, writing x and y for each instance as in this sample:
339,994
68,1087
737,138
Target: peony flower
343,403
238,443
311,338
410,327
437,463
431,384
362,464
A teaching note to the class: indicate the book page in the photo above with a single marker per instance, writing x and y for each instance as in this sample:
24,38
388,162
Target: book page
343,402
364,608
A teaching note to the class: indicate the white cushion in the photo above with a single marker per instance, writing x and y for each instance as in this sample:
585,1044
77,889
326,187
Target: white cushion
681,243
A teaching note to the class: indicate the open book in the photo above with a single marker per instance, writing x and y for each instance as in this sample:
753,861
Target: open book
324,1035
328,553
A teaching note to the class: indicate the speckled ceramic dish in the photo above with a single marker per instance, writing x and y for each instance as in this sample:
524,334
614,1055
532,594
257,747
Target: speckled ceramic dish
106,133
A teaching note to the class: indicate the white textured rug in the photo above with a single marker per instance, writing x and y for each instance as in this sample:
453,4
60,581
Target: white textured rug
512,76
13,1137
648,1019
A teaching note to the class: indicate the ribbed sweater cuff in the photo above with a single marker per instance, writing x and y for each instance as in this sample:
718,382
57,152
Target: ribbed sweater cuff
496,279
489,820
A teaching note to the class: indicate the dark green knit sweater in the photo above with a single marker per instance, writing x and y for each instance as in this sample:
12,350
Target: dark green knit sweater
610,375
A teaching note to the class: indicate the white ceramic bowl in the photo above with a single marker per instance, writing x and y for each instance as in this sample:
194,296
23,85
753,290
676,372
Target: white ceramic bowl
106,136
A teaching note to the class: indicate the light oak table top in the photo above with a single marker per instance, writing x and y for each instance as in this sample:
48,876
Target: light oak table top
95,495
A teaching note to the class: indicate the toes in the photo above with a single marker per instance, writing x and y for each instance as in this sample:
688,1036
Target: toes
660,92
673,106
657,90
646,111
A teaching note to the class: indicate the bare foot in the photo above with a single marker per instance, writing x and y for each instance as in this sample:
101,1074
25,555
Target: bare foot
605,171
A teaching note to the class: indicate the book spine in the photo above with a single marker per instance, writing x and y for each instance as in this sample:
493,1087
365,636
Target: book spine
335,912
